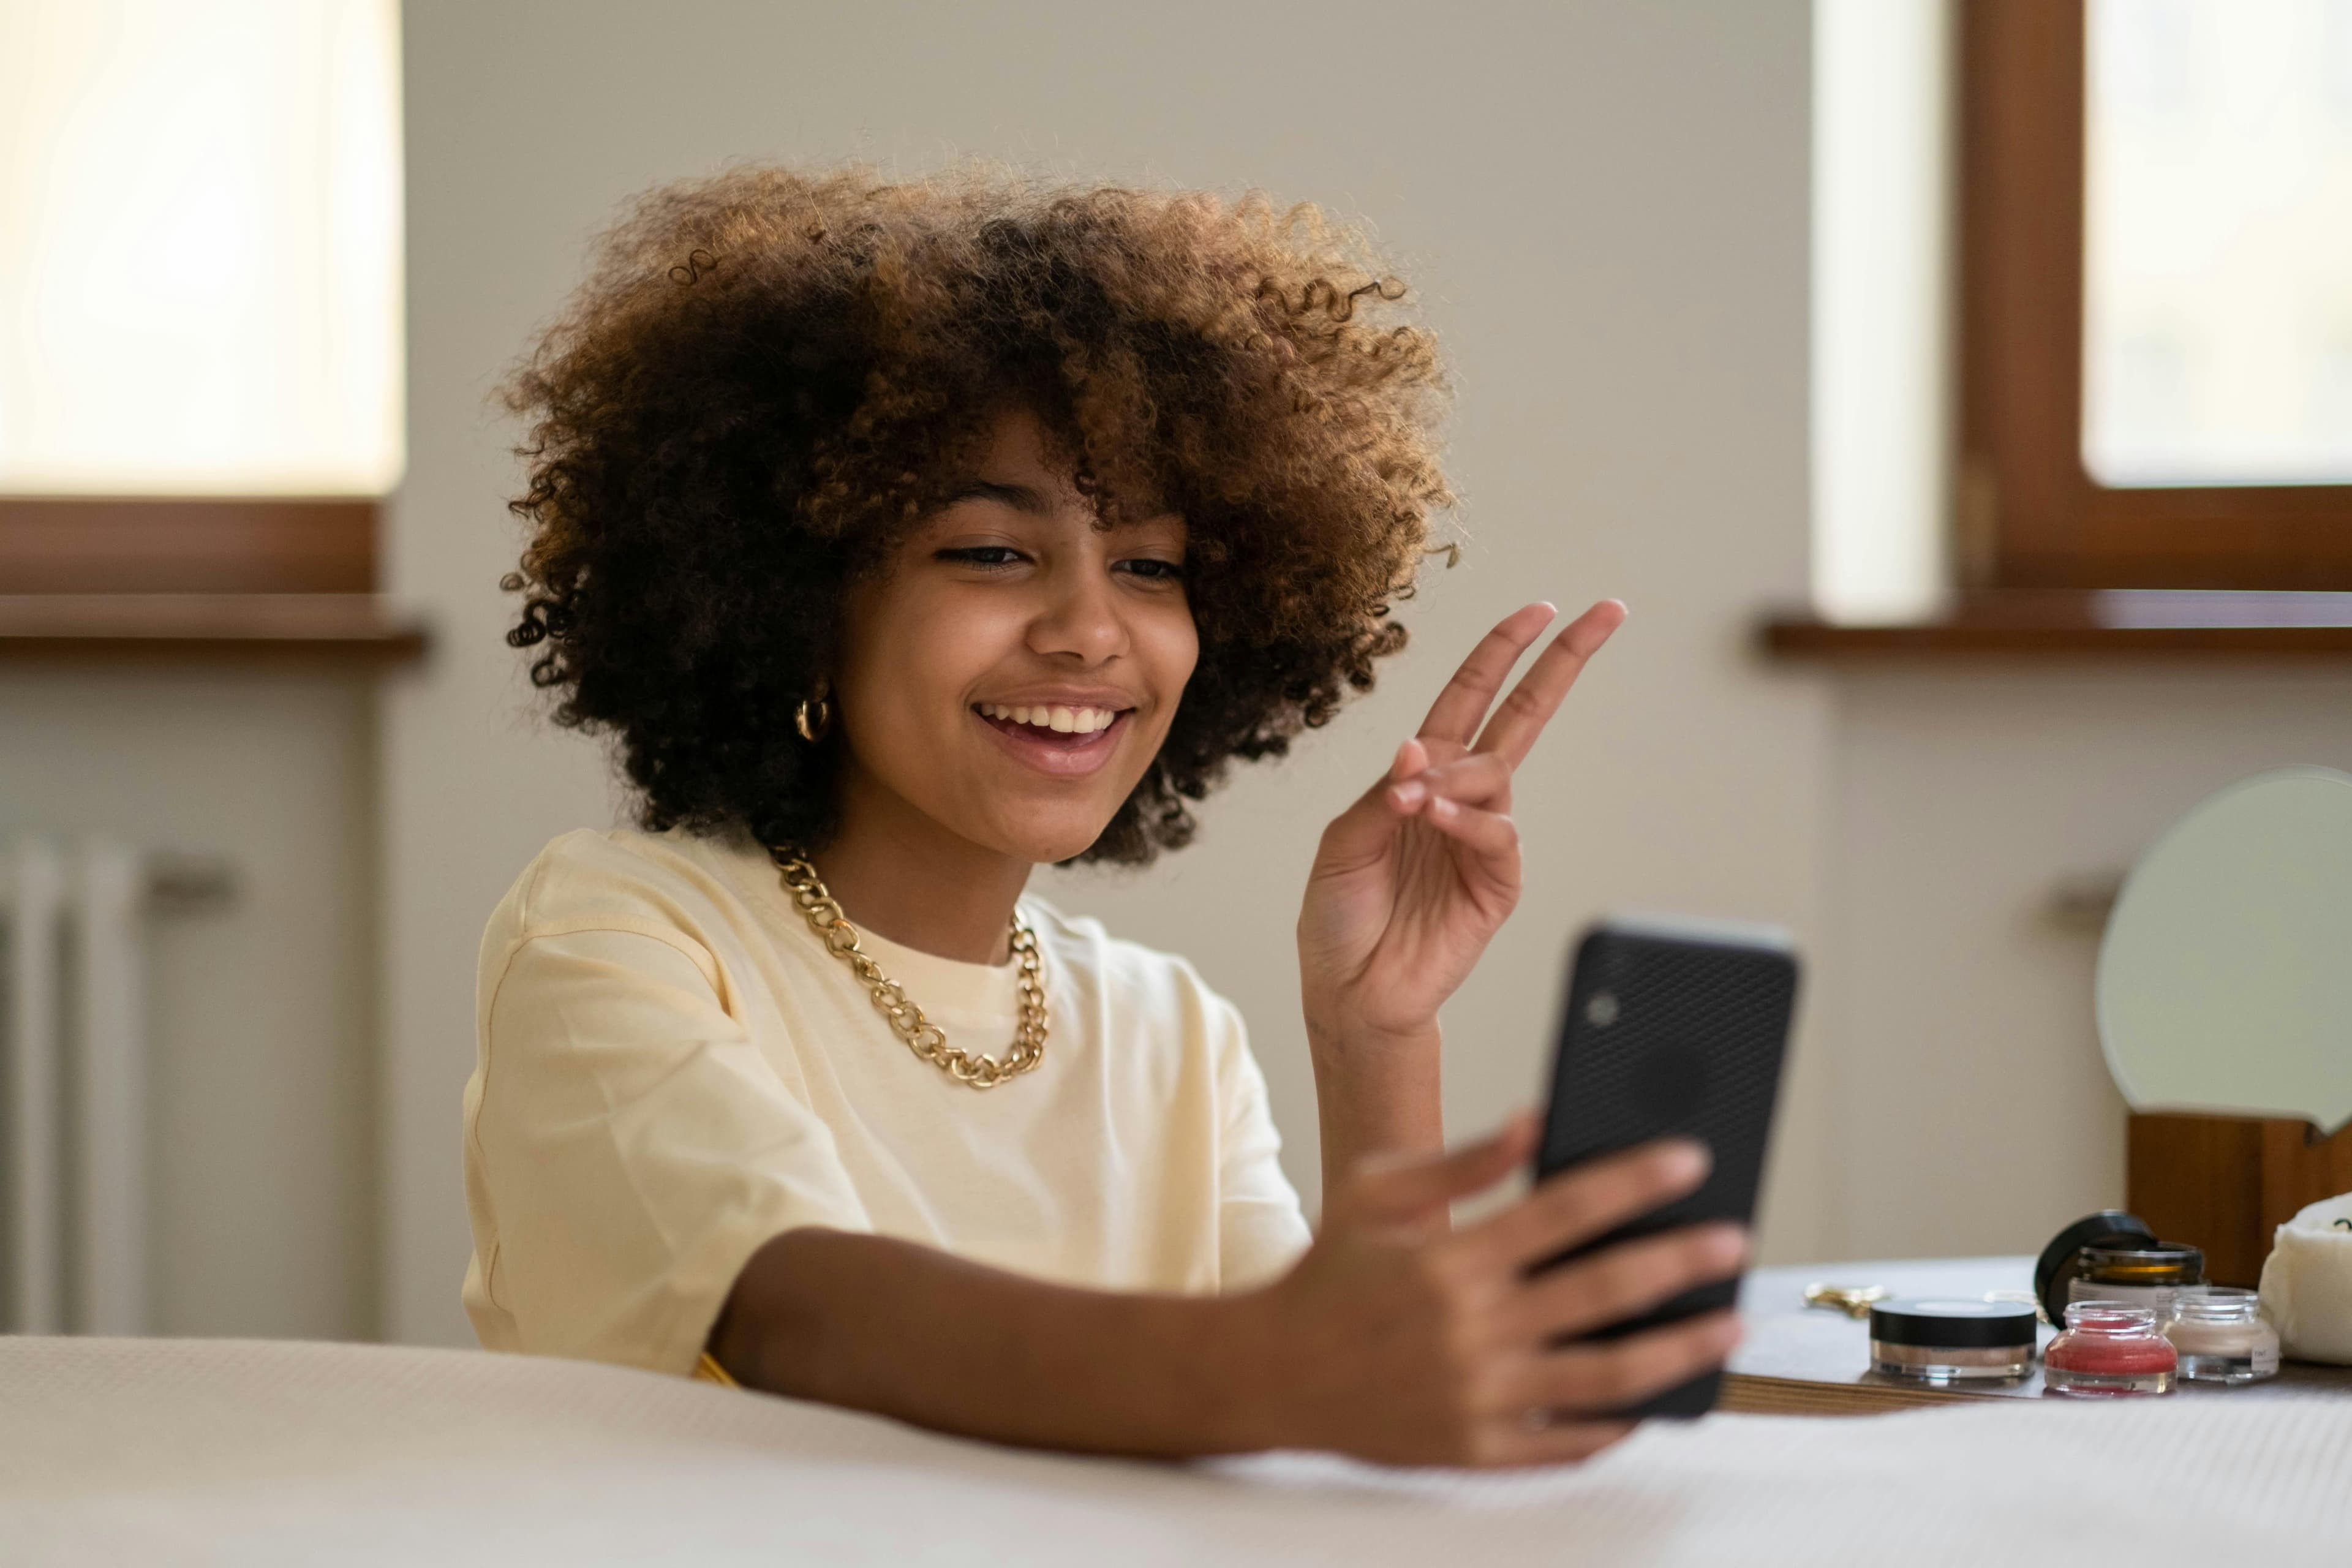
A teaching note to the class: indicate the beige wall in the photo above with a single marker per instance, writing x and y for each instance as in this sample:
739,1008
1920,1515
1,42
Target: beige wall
1605,207
1972,1111
261,1160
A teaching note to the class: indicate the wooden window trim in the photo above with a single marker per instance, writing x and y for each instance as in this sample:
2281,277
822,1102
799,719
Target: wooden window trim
271,629
2030,514
92,545
166,580
2166,626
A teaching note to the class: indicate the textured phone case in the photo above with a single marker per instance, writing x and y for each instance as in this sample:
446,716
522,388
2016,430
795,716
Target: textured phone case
1662,1036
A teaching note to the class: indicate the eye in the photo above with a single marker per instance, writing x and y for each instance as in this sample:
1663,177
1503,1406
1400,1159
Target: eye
987,557
1151,568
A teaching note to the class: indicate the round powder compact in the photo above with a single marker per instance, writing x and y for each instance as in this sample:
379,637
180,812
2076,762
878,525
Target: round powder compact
1935,1341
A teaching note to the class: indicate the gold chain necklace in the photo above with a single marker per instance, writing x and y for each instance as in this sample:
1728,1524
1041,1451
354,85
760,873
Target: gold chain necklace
922,1037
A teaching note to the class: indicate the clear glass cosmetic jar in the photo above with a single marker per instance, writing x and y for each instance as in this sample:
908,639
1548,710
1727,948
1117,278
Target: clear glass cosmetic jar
2222,1337
2109,1347
1937,1341
2154,1276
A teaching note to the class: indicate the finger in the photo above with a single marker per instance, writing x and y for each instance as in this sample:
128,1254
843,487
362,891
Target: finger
1478,779
1528,1438
1361,833
1590,1200
1512,732
1488,833
1391,1189
1606,1376
1624,1281
1455,714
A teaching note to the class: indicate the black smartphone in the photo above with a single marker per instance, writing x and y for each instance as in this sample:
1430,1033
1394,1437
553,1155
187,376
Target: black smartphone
1673,1028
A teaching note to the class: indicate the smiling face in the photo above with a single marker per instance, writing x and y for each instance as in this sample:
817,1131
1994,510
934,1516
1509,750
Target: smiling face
1011,670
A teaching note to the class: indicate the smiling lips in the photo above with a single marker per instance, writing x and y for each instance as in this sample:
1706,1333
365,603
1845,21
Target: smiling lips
1067,741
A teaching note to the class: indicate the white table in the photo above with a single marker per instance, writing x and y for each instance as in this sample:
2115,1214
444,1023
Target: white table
256,1454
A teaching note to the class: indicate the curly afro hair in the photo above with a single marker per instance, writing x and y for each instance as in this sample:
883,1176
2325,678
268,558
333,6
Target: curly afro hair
770,376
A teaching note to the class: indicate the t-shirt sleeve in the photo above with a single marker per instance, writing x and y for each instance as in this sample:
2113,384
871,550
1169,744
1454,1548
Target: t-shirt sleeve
1261,1230
635,1149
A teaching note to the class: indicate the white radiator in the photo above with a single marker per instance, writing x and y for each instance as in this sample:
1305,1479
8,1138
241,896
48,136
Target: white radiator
73,1035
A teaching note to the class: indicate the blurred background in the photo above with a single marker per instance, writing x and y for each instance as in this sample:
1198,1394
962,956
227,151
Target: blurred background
1958,391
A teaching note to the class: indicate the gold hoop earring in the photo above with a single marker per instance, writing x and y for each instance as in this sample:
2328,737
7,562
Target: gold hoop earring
814,716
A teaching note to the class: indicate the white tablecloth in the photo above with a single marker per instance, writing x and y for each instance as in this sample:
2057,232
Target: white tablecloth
262,1453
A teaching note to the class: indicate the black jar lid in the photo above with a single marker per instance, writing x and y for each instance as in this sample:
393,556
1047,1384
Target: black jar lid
2061,1259
1954,1323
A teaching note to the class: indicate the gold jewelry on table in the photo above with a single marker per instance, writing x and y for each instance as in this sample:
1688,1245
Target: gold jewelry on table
922,1037
1853,1301
707,1370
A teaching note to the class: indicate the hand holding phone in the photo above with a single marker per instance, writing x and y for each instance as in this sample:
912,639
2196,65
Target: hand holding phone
1673,1030
1402,1339
1541,1331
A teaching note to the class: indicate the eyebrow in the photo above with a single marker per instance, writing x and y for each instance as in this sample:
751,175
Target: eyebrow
1029,499
1019,497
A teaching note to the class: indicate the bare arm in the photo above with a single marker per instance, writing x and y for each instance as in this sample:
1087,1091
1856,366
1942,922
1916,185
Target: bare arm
907,1331
1394,1338
1374,1094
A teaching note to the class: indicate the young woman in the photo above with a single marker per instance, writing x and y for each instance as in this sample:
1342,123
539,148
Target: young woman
906,537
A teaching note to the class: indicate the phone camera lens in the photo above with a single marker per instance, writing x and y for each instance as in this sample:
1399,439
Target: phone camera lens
1601,1010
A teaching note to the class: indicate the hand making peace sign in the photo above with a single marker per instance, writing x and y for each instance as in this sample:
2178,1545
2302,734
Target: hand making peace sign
1411,881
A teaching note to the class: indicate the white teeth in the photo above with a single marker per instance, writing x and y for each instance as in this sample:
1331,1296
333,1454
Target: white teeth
1061,720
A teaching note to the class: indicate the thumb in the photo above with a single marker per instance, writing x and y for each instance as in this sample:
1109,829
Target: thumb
1395,1190
1362,832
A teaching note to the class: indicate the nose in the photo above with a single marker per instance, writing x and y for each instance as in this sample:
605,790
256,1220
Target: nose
1080,617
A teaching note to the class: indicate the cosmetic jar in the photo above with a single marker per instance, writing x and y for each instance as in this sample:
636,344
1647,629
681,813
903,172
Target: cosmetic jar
2109,1347
2063,1258
2154,1276
2222,1337
1951,1341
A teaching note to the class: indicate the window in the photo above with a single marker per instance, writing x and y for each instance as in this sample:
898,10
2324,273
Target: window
2156,293
200,292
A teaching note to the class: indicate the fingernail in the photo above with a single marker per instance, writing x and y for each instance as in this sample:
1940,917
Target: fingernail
1408,794
1441,806
1688,1162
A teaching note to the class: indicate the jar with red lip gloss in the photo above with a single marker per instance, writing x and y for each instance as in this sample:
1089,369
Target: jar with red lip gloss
2109,1347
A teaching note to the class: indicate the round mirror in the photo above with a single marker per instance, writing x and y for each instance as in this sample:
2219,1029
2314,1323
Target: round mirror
2225,977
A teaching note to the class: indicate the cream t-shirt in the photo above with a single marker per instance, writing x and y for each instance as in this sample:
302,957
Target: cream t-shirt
673,1070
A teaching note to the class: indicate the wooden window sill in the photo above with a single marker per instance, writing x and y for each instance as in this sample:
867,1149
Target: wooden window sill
277,629
2071,624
